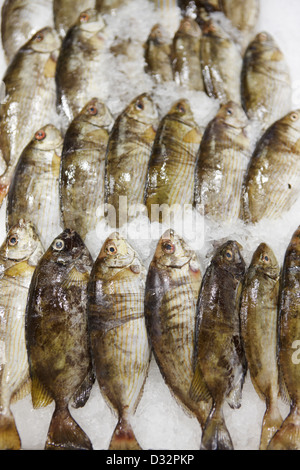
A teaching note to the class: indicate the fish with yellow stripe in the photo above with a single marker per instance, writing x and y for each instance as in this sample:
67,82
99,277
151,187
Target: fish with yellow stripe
19,255
119,341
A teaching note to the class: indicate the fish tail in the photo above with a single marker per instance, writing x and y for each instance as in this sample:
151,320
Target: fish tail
288,436
65,434
123,437
9,436
215,433
272,421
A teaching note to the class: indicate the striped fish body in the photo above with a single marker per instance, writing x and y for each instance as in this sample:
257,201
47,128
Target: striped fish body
33,194
119,339
272,181
265,82
222,162
66,13
170,179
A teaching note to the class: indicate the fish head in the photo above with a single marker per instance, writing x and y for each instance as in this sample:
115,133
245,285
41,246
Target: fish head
181,111
229,257
116,252
158,35
292,120
98,114
233,115
143,109
47,138
90,21
265,46
189,27
46,40
265,260
172,251
295,242
67,250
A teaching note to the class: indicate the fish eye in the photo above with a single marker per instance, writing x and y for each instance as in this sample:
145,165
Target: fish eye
168,247
181,108
228,254
139,105
13,240
229,112
39,37
265,258
40,135
84,17
111,249
93,110
58,245
294,116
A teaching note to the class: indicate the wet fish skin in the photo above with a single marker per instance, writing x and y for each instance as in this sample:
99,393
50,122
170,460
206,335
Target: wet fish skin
33,68
82,173
158,50
287,438
171,293
219,357
186,55
19,22
66,13
259,326
170,178
222,161
57,338
19,254
33,193
271,185
119,341
128,154
265,81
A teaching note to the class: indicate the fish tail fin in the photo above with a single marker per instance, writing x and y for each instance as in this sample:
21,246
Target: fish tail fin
9,436
288,436
272,421
123,437
215,434
65,434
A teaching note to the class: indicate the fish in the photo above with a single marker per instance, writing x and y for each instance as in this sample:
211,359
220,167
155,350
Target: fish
243,16
19,254
186,55
20,20
106,6
272,180
266,90
66,13
288,436
127,158
82,171
33,193
172,288
170,179
222,162
158,50
29,91
196,5
259,327
220,365
119,341
80,64
57,340
221,63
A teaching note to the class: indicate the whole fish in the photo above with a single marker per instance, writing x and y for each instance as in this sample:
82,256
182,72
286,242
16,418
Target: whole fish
222,162
171,171
186,55
33,193
272,181
57,338
128,154
219,359
79,65
66,13
158,62
172,289
106,6
265,81
288,436
30,91
82,171
221,63
19,254
119,341
243,14
20,20
259,325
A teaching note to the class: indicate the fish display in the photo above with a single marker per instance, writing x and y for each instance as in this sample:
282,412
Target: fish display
33,193
127,158
186,55
172,289
20,20
82,172
170,179
57,339
158,62
19,254
119,341
266,90
288,436
272,181
259,326
29,91
66,13
220,365
222,161
79,65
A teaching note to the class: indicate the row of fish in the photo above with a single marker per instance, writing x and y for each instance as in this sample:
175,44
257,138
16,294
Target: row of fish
83,319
